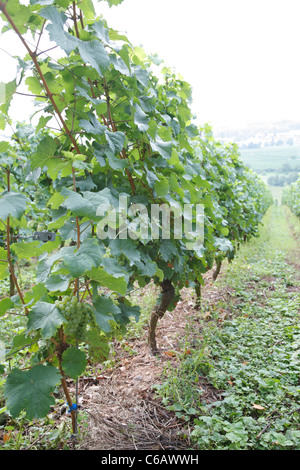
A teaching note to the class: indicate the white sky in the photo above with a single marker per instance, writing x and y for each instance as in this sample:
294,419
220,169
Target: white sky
242,57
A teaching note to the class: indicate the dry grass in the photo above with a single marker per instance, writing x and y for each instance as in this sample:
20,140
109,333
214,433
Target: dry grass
124,413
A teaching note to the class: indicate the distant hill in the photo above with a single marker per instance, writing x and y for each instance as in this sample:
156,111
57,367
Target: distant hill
283,158
258,135
271,150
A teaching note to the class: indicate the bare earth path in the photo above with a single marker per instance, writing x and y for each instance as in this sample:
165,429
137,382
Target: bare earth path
123,411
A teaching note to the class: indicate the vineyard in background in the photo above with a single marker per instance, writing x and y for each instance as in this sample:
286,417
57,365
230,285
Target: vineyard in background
109,127
291,197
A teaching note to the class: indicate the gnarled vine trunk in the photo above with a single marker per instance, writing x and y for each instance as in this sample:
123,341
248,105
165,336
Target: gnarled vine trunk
217,270
167,295
198,295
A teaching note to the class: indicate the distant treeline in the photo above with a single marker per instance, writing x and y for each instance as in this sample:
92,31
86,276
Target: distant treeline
271,143
283,180
275,130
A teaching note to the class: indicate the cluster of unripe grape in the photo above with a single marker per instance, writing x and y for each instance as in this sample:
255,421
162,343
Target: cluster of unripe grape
77,314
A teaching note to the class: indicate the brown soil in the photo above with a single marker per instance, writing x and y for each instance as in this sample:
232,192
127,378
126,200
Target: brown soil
124,414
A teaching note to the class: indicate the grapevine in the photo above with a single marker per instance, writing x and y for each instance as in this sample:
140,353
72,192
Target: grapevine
122,132
291,197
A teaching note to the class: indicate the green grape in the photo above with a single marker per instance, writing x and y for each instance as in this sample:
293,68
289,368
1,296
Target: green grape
78,315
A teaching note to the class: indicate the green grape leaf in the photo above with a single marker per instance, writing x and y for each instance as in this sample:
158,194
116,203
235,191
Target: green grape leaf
20,15
35,294
113,267
7,91
114,162
223,244
148,103
22,341
45,265
5,304
27,250
115,140
140,118
34,85
105,310
57,166
88,9
94,53
42,123
92,126
55,201
120,65
4,146
126,247
45,317
56,30
104,279
4,272
163,148
2,119
167,250
30,390
95,101
161,187
77,204
88,256
101,31
74,362
127,312
148,269
141,74
44,153
57,282
13,204
98,345
114,2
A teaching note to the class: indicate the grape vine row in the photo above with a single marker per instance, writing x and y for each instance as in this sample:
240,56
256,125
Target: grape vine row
123,132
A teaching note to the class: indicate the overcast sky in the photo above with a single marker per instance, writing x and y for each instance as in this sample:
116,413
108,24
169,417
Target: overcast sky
242,57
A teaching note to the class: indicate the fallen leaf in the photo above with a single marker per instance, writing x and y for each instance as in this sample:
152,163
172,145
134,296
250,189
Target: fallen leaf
6,436
170,353
258,407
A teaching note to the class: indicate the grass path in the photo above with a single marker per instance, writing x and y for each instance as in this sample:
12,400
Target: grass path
245,349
